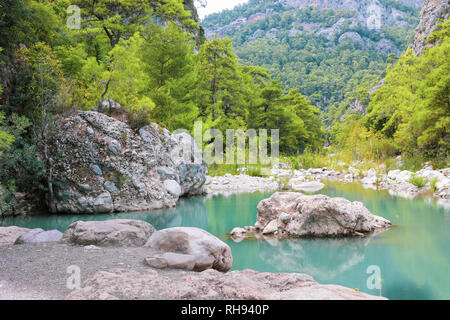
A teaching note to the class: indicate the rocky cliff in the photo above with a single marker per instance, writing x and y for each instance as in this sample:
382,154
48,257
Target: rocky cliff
190,6
101,165
432,12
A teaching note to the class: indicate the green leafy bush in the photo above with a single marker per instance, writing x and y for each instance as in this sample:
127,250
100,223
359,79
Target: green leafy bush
433,185
418,181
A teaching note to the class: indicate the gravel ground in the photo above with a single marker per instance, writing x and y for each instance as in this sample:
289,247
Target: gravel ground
39,271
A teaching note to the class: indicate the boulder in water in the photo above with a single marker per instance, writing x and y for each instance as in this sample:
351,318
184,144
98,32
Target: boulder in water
294,215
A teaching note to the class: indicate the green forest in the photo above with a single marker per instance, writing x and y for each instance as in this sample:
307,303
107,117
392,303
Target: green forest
324,69
159,72
152,59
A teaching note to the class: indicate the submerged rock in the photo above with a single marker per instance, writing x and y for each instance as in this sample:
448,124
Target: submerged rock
293,215
200,250
120,232
39,235
311,186
101,165
210,285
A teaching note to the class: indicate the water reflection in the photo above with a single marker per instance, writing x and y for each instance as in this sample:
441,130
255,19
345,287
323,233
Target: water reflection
322,258
189,212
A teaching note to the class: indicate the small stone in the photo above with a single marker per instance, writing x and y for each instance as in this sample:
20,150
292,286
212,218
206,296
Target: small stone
97,170
285,217
85,187
173,187
39,235
271,228
238,233
115,147
156,262
111,187
179,261
90,131
194,242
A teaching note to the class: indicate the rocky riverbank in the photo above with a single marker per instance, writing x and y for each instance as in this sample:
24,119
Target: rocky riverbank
436,183
118,267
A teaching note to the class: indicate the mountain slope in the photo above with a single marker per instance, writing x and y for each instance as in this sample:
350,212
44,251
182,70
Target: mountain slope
324,47
408,113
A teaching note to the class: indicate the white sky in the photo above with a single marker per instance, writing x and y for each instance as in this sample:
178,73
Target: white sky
217,6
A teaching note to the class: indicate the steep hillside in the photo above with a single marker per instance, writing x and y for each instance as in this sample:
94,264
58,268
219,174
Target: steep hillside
409,111
433,12
324,47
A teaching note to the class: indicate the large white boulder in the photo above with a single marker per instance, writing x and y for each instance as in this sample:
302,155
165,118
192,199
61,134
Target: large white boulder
39,235
102,165
120,232
9,235
207,251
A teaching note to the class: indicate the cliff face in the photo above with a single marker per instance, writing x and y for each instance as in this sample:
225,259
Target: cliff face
189,6
432,12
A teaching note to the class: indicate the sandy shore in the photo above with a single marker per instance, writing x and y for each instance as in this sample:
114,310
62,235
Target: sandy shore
39,271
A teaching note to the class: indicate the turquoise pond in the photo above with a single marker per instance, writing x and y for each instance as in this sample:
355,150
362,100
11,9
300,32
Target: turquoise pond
414,256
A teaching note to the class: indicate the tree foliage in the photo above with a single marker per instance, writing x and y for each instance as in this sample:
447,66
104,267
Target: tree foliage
413,106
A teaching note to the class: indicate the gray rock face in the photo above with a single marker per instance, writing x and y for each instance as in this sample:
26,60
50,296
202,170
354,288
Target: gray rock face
353,36
432,12
120,232
101,166
315,216
191,169
207,251
39,235
9,235
210,285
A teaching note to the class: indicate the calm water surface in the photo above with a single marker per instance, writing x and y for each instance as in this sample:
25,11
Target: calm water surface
414,256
